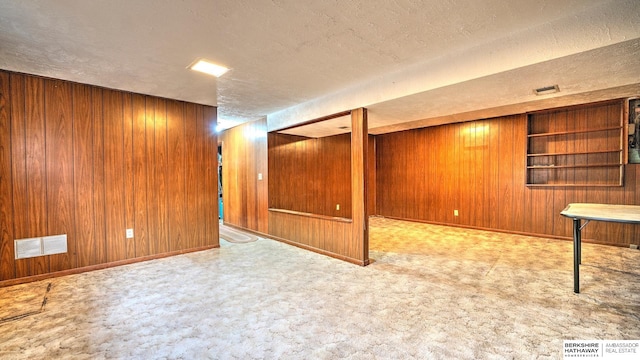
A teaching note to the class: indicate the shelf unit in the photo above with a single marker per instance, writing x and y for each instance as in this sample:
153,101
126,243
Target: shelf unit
576,146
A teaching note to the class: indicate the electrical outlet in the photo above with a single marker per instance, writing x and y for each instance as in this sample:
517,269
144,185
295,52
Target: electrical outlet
129,233
337,206
455,212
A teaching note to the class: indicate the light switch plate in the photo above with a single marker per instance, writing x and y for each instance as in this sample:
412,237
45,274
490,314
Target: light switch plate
129,233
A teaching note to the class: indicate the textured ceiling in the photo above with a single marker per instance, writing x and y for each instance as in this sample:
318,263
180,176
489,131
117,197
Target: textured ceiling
292,61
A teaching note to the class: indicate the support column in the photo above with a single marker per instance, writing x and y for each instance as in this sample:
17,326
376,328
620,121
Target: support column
359,244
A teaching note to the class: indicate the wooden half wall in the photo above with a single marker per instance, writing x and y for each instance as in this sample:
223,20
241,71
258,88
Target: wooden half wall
91,162
342,237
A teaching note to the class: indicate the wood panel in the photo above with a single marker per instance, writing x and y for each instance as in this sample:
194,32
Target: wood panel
18,174
467,178
176,191
91,162
7,270
161,177
140,176
202,207
494,195
36,175
192,212
505,176
59,169
83,175
100,220
153,201
129,180
371,176
520,195
114,171
209,163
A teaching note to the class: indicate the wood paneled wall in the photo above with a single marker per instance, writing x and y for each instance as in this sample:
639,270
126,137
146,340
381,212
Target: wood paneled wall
313,174
244,156
91,162
478,168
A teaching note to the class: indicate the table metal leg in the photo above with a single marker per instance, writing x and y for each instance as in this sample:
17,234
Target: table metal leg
577,256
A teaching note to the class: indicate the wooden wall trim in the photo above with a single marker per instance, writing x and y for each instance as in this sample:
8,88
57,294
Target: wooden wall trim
310,215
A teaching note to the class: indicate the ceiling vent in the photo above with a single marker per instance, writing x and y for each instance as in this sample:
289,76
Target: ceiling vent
547,90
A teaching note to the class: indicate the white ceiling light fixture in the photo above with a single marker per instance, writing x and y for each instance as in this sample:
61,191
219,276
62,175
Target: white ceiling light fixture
208,67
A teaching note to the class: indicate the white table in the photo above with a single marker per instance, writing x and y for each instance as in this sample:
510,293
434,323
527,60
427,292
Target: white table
600,212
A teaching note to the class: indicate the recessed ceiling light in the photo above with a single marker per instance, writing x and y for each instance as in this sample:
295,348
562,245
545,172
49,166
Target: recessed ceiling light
208,67
547,90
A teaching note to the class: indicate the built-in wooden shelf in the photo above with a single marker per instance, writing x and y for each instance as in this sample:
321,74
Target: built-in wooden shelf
569,185
577,131
575,151
547,167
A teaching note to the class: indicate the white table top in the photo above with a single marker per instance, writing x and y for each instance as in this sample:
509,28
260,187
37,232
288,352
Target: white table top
603,212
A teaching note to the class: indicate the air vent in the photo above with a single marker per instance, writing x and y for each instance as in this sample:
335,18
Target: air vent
47,245
547,90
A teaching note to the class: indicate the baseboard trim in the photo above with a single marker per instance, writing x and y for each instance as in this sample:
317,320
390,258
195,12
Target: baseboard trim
28,279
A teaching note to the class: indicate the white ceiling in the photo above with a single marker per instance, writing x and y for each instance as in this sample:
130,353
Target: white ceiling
411,63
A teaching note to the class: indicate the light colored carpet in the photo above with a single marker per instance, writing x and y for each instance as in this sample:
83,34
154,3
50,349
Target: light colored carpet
433,293
23,300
